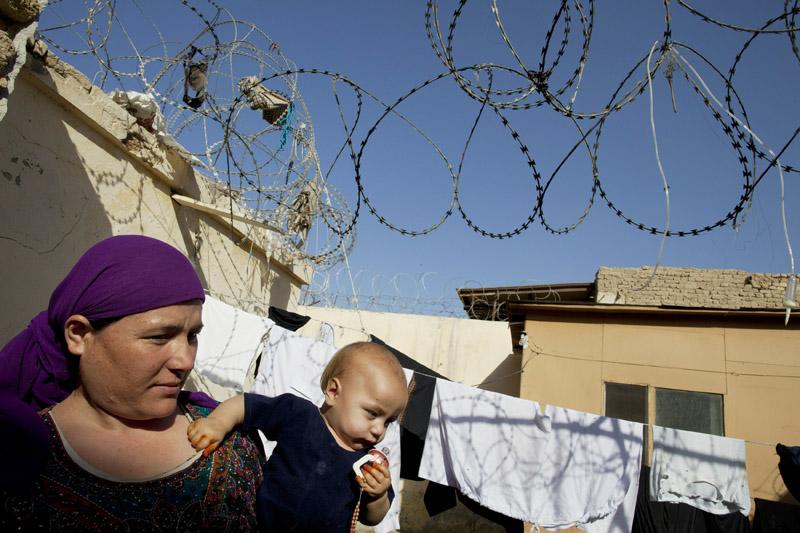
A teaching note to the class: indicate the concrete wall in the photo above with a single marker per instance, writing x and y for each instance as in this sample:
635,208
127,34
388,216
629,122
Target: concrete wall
755,365
474,352
76,168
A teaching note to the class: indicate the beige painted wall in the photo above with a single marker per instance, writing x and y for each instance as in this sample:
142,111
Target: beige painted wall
570,358
474,352
75,168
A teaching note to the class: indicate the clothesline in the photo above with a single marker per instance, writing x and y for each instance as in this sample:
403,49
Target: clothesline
538,353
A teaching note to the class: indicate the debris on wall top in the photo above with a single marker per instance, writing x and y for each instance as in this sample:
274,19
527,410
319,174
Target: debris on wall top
18,22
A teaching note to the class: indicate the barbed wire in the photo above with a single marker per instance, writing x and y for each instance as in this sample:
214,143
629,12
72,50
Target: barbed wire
255,160
268,164
211,86
428,293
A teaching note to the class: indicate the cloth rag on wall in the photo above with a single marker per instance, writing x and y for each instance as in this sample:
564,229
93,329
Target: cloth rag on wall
293,363
287,319
326,334
660,517
789,467
229,343
556,467
413,427
776,517
704,471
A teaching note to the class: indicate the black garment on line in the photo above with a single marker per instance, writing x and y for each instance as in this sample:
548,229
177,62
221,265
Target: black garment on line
413,428
664,517
414,422
776,517
287,319
789,466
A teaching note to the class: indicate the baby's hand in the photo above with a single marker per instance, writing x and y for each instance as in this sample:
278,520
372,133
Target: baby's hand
206,434
375,480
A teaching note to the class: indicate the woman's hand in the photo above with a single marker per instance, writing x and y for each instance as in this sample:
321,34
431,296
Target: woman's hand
206,434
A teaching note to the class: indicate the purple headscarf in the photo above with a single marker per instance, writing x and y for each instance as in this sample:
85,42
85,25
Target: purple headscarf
116,277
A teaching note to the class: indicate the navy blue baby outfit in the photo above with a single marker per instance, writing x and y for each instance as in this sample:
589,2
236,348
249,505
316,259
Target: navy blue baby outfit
309,484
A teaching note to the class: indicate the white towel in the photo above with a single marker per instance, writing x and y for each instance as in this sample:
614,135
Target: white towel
229,342
292,363
391,440
558,468
705,471
621,520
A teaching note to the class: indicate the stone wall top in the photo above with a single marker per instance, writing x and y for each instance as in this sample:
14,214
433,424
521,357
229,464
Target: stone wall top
691,287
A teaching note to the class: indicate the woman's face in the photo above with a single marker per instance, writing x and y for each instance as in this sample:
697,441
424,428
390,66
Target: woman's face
135,367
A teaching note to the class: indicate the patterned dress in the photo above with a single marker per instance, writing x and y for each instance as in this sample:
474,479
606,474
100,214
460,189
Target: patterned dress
214,493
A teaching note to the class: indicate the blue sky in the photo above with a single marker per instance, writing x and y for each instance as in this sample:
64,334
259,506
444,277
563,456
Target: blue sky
383,47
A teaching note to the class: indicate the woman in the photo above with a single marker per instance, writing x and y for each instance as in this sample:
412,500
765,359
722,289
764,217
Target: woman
105,364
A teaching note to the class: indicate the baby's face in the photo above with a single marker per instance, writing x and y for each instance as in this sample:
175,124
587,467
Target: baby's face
369,399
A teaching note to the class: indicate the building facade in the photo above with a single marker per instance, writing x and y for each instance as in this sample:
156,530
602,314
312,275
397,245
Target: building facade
695,349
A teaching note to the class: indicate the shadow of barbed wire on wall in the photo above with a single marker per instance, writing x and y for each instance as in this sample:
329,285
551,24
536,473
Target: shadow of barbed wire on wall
50,210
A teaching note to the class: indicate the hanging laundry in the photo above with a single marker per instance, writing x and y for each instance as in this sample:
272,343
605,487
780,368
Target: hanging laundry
413,427
776,517
392,442
789,467
229,343
293,363
659,517
556,467
704,471
414,422
621,519
287,319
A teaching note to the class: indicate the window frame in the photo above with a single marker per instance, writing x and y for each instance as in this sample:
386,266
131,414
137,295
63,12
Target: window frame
650,410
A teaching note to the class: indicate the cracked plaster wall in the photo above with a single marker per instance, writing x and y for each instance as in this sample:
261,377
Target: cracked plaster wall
75,168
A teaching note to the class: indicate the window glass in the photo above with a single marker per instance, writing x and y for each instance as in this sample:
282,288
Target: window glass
692,411
628,402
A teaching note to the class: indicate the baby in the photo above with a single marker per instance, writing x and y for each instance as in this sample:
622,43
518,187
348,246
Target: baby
309,483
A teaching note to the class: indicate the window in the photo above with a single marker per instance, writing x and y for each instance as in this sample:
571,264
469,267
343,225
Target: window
628,402
692,411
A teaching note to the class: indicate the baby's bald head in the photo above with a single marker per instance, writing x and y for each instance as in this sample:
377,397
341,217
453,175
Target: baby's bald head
368,357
